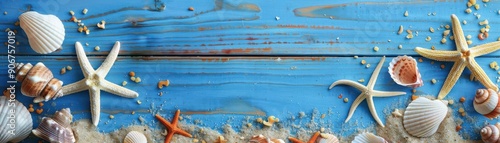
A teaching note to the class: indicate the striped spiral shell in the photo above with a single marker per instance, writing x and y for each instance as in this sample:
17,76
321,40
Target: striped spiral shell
491,133
38,81
486,102
57,128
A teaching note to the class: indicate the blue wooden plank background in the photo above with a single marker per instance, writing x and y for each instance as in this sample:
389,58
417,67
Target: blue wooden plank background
222,58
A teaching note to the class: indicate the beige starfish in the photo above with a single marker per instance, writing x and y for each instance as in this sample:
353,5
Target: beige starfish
463,57
367,93
94,81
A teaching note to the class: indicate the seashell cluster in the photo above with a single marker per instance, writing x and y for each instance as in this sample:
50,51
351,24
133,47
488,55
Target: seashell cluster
262,139
38,81
45,32
423,116
486,102
135,137
56,129
404,71
327,138
15,121
368,138
491,133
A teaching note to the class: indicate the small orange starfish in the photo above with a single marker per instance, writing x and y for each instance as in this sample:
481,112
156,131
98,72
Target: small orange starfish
313,138
172,128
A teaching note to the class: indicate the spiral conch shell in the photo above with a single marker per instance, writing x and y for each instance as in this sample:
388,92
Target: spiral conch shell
262,139
368,138
423,116
56,129
38,81
135,137
486,102
491,133
327,138
404,71
15,120
45,32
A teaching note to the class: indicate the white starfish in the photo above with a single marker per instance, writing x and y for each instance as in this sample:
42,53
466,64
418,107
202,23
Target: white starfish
94,81
367,93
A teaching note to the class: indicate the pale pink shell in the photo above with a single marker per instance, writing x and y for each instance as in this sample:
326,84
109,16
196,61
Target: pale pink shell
404,71
490,133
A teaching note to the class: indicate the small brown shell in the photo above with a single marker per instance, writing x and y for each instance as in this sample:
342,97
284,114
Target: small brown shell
38,81
491,133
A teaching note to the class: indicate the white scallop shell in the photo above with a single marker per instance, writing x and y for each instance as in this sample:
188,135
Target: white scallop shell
45,32
486,102
368,138
404,71
327,138
15,121
56,129
135,137
423,116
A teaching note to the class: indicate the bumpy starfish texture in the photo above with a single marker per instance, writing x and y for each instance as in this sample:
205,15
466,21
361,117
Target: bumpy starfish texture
172,128
367,93
463,57
94,81
311,140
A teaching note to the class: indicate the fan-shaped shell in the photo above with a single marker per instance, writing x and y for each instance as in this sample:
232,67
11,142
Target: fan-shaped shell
368,138
486,102
404,71
38,81
262,139
135,137
15,120
423,116
327,138
45,32
491,133
56,129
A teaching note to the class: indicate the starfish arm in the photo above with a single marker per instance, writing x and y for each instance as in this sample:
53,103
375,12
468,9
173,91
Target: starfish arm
295,140
74,87
117,90
164,122
377,93
176,117
479,73
371,106
169,136
373,78
109,61
354,105
452,78
438,55
184,133
82,60
314,137
350,83
95,104
458,33
485,49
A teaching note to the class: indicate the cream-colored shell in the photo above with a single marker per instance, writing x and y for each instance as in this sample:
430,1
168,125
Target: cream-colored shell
135,137
327,138
262,139
368,138
45,32
14,111
485,101
423,116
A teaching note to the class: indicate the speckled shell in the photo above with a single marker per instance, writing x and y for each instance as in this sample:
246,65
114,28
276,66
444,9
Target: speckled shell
368,138
45,32
486,102
327,138
135,137
491,133
14,111
56,129
262,139
38,81
423,116
404,71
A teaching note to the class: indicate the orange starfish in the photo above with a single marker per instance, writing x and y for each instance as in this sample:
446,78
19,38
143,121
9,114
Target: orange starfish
313,138
172,128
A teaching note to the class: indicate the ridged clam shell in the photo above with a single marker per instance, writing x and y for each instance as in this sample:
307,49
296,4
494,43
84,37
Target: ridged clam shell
491,133
56,129
15,121
45,32
327,138
404,71
423,116
262,139
135,137
368,138
38,81
486,102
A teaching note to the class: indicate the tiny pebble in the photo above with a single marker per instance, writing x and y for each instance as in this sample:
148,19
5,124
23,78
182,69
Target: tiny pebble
375,49
461,110
277,18
139,102
5,13
361,80
132,78
69,68
191,8
63,71
137,80
355,57
442,66
97,48
71,12
400,46
413,97
84,11
468,36
428,38
346,100
433,81
124,83
458,128
340,96
131,73
363,62
406,14
111,116
431,30
462,99
368,65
